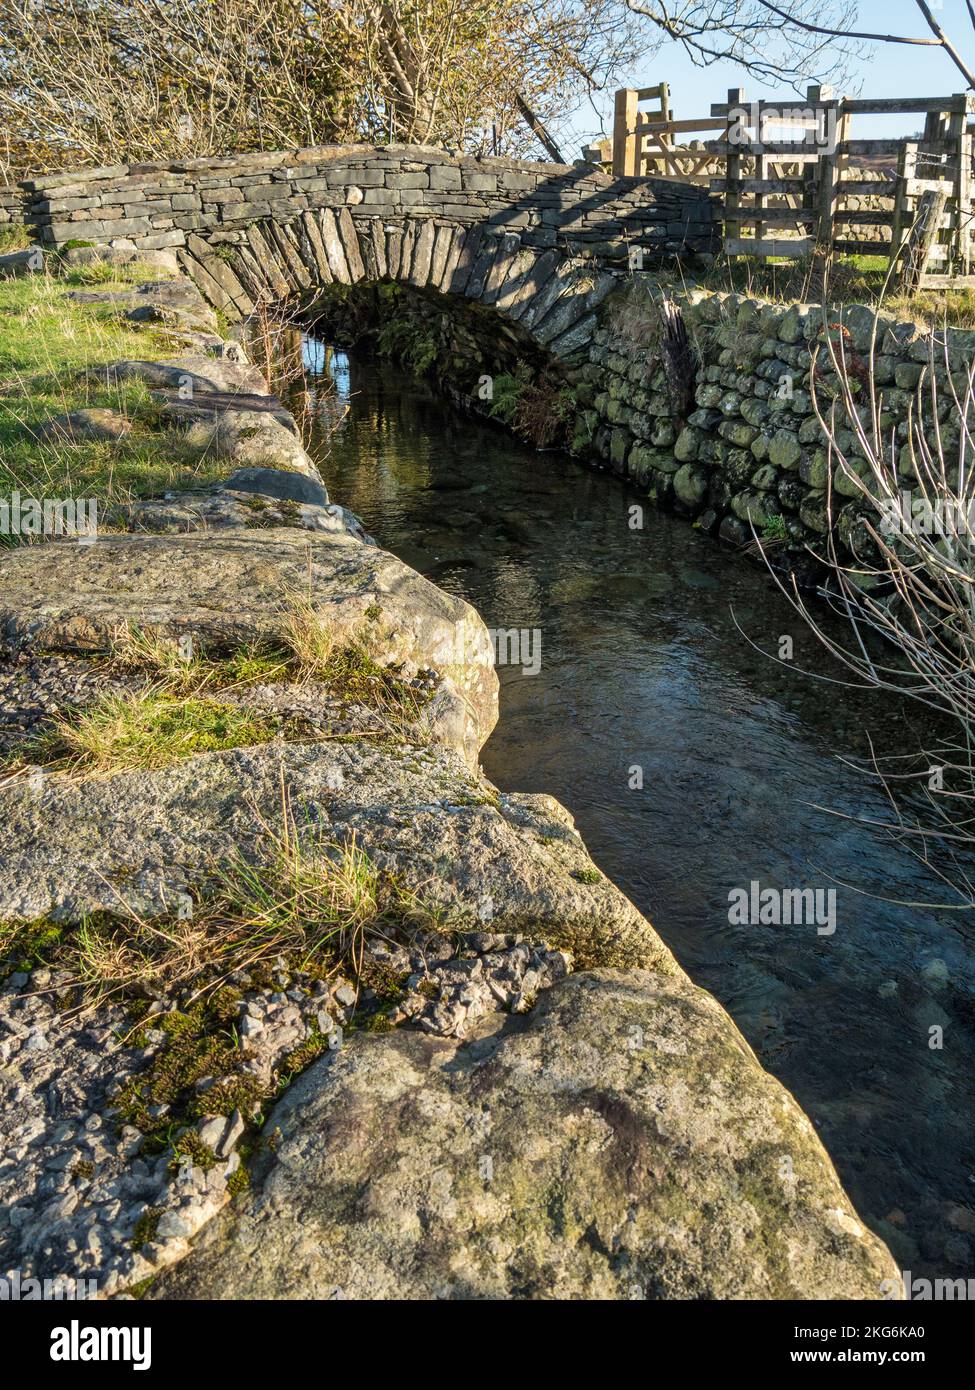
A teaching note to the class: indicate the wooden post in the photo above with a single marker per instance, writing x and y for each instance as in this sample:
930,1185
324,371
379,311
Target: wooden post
965,228
624,132
810,194
732,171
761,172
903,200
821,99
958,135
922,238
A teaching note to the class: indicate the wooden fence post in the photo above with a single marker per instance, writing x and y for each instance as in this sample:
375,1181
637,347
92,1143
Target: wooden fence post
902,219
762,170
821,99
732,170
922,238
624,132
961,176
964,199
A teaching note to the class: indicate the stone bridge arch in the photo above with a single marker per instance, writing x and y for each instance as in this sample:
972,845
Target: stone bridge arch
542,243
551,295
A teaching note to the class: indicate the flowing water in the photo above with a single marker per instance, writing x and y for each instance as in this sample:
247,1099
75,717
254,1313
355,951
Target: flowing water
647,663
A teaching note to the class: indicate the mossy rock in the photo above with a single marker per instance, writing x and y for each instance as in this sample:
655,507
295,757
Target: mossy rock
628,1115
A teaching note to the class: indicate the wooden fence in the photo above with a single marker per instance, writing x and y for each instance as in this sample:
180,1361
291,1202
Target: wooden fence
793,179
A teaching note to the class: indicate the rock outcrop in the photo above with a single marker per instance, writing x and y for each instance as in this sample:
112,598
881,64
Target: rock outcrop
619,1142
505,862
234,587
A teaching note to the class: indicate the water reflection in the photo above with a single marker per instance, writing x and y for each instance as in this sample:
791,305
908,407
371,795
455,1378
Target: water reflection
643,667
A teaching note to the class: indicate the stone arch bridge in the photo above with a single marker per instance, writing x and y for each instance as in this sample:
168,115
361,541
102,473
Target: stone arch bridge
544,243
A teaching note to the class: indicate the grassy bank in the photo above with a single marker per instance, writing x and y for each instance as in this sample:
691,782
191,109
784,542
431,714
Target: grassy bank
48,342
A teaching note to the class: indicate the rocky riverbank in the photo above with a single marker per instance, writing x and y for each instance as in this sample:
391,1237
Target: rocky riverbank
296,1003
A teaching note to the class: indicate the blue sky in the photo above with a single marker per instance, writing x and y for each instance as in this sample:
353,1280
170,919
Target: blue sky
886,70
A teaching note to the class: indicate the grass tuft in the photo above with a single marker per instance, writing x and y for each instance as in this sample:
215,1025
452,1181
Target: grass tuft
840,280
15,238
146,729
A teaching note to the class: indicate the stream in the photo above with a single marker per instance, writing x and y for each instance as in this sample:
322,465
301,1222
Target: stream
648,674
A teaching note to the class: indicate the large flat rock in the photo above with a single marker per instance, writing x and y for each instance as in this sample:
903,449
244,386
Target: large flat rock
621,1142
230,588
135,840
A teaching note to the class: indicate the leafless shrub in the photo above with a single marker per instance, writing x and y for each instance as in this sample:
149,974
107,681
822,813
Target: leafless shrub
95,81
902,577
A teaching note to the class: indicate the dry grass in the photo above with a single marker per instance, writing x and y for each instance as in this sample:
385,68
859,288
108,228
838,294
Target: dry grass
301,896
312,905
193,703
301,648
840,280
185,669
309,641
13,238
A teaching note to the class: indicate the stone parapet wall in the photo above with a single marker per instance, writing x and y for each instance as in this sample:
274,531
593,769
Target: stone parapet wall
159,205
13,206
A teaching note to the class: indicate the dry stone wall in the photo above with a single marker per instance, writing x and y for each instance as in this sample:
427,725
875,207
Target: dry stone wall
13,211
750,454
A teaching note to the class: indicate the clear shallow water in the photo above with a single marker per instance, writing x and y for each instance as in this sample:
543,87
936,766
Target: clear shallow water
644,664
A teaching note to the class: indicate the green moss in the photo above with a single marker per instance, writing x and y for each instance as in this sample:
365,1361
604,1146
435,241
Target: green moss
379,976
239,1181
198,1044
587,875
26,945
301,1057
145,1227
190,1145
379,1023
140,1290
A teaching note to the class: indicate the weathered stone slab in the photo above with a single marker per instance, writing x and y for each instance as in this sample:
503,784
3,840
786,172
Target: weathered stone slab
350,244
620,1143
422,255
231,589
313,248
273,482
